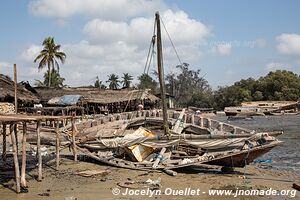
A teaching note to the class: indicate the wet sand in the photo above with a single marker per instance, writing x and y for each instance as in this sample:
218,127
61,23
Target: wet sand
65,185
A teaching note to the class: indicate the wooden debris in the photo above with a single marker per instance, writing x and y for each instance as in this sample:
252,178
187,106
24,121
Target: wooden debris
89,173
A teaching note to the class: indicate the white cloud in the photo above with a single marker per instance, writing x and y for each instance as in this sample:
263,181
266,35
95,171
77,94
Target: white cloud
273,66
107,9
139,30
31,52
222,49
288,44
115,43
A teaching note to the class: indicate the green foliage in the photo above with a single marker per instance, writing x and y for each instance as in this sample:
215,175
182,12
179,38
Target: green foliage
279,85
49,57
98,84
113,81
127,79
147,81
189,88
56,80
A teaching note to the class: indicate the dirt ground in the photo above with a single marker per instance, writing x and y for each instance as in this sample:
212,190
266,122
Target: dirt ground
65,185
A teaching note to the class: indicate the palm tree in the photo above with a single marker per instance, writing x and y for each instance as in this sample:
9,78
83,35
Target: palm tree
113,81
127,79
56,80
49,57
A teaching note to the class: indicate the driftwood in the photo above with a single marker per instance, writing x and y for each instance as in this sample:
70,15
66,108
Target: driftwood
89,173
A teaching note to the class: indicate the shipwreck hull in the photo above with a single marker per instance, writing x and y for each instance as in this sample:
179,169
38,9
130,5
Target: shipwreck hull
244,158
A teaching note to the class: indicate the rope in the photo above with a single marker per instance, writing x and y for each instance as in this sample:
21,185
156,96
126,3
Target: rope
171,42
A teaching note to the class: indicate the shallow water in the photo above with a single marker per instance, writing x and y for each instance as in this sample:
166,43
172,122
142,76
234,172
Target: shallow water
285,156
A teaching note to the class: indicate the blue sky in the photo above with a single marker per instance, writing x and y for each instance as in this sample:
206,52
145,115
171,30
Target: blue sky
227,40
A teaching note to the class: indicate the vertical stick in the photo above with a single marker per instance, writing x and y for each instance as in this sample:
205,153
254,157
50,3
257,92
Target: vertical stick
15,80
73,139
4,143
161,75
16,134
57,145
23,169
16,162
39,153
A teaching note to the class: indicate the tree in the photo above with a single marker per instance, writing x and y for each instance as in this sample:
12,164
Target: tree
49,56
279,85
189,88
56,80
113,81
127,79
98,84
147,82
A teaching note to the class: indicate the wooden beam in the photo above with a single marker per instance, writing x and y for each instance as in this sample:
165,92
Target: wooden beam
38,148
4,143
15,84
57,146
73,140
23,169
161,75
15,155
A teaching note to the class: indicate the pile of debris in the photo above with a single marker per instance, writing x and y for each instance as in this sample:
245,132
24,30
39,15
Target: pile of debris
7,108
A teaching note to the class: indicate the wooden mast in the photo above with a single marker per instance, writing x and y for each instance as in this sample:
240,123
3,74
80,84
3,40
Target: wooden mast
161,75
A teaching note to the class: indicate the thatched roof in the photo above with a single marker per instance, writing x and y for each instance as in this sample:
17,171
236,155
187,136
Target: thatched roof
94,95
7,91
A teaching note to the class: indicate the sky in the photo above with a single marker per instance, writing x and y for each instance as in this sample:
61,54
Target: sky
227,40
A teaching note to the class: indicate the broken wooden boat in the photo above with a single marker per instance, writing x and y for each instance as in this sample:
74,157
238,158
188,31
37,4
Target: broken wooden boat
136,140
161,140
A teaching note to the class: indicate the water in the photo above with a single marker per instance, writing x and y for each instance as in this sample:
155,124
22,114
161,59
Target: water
285,156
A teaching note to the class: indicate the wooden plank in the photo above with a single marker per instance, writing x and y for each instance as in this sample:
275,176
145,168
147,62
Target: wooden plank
15,155
74,141
23,169
39,153
57,145
4,143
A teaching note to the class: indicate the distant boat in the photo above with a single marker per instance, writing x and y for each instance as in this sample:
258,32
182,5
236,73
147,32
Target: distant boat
263,108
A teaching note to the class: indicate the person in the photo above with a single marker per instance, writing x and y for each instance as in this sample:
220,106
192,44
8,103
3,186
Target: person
140,107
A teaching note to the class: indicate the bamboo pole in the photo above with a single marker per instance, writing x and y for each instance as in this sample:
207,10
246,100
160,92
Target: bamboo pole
23,169
57,145
15,155
4,143
16,135
15,84
161,75
39,153
73,140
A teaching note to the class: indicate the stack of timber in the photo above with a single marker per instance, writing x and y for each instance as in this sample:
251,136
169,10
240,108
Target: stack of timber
7,108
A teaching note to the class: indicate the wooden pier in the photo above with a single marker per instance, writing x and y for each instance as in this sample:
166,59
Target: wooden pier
12,122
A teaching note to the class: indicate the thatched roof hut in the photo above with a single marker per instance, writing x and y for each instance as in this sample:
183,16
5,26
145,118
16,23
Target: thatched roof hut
100,101
94,95
7,92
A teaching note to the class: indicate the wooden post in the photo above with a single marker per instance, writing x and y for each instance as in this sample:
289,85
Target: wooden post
16,134
4,143
209,123
73,139
57,145
221,126
23,169
161,75
38,149
201,122
15,84
16,162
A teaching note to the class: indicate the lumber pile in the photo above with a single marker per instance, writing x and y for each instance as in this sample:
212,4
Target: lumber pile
7,108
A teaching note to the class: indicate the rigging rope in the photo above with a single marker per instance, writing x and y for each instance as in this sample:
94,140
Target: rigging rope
171,42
